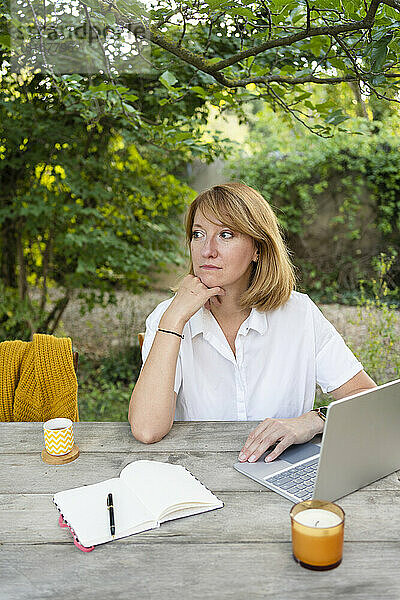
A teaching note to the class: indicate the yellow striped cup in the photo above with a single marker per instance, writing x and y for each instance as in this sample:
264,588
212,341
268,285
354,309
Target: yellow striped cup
58,436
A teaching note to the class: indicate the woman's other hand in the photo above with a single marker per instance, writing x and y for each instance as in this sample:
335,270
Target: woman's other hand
191,295
284,432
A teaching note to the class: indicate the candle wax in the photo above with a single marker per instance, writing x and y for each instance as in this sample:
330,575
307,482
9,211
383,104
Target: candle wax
317,517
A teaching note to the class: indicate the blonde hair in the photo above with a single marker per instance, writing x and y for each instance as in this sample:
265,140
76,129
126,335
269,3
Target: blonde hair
242,208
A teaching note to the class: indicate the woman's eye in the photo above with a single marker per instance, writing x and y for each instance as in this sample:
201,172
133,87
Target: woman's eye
226,235
196,235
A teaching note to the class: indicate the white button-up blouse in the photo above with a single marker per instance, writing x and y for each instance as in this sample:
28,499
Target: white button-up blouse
280,357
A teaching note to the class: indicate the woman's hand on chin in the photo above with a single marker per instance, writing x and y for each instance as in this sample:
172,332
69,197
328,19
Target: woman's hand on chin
283,432
191,295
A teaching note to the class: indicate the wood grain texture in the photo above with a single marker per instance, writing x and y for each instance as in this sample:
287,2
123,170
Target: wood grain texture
245,517
195,572
240,551
28,474
117,437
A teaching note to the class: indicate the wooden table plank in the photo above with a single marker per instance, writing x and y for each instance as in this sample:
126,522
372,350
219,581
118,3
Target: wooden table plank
196,572
246,517
205,436
21,473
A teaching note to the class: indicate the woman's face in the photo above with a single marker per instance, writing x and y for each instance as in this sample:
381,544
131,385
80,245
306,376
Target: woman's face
221,256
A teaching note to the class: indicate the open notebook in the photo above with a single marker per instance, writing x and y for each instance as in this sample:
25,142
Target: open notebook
146,494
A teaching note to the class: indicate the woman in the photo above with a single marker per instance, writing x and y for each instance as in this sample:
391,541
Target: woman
236,342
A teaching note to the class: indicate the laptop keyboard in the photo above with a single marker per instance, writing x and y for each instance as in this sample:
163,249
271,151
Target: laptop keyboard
298,481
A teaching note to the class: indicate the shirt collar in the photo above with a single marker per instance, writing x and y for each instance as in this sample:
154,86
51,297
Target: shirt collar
256,320
197,322
201,322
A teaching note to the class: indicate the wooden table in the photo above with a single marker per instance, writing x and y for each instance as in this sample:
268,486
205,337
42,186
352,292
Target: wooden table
240,551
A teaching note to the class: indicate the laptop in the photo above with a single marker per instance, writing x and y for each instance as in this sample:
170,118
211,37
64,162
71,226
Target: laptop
360,444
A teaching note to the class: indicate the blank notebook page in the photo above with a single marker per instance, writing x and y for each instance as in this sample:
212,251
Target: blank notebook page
162,485
85,508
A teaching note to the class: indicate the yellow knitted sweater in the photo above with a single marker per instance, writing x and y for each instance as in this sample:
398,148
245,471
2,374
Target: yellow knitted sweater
38,380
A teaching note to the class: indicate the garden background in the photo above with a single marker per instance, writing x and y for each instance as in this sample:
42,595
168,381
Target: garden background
99,159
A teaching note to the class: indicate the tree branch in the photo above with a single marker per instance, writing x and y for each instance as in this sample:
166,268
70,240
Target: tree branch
392,3
55,314
22,282
287,108
366,23
204,65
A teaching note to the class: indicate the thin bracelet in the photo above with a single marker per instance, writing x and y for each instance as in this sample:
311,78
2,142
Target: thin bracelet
173,332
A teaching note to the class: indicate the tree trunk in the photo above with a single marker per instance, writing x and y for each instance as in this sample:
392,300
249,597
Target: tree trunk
8,254
53,318
46,262
22,283
360,107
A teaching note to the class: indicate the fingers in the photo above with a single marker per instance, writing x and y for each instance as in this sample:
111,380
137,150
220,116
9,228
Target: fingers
215,292
283,444
259,440
190,296
213,295
263,437
194,284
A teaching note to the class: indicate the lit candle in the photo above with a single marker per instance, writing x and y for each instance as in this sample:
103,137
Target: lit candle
317,534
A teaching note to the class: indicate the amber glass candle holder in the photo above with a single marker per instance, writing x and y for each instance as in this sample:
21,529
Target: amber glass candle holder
317,534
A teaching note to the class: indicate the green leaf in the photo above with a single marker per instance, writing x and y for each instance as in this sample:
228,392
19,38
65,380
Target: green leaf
130,97
168,79
336,117
199,90
5,40
213,4
302,96
379,53
102,87
324,107
184,135
94,4
109,18
298,13
378,80
129,108
243,12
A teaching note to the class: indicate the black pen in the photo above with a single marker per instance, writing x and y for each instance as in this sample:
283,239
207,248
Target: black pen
110,507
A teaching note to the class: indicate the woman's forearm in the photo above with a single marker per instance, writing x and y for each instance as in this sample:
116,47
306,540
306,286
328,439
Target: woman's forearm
152,405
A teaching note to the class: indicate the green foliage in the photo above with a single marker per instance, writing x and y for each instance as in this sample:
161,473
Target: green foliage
344,190
226,53
379,350
378,321
80,209
15,315
105,386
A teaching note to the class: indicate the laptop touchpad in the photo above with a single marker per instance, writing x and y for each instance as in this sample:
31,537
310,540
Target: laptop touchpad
299,452
294,453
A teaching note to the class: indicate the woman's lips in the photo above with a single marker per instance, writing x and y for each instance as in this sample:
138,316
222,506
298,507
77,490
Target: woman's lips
210,267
